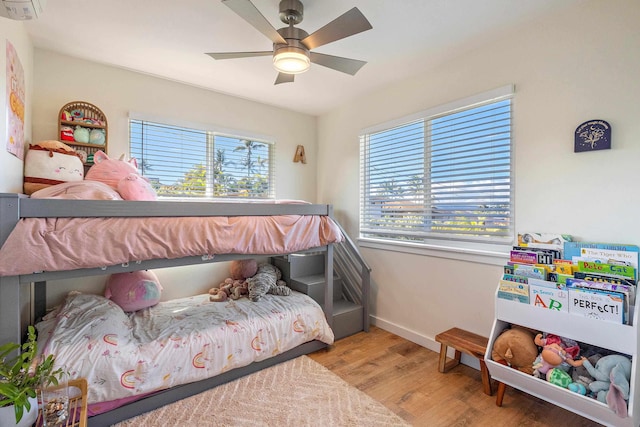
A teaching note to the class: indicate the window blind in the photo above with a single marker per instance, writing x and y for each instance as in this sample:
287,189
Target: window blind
445,176
186,162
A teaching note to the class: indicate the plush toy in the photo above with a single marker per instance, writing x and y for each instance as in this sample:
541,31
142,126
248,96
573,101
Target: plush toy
135,290
556,353
97,136
515,346
135,187
230,288
611,386
49,163
112,172
81,134
66,133
267,281
243,269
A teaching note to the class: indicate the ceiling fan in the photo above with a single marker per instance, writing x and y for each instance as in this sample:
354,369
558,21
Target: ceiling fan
292,46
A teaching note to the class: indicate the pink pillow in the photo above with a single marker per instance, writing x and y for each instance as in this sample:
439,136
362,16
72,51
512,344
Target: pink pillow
135,290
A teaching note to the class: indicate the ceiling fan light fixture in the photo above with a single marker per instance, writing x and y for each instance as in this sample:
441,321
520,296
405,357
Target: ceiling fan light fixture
291,60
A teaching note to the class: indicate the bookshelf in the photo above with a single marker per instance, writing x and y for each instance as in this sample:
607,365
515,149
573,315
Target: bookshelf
617,337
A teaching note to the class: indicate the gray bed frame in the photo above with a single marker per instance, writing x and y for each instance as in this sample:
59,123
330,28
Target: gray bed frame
23,298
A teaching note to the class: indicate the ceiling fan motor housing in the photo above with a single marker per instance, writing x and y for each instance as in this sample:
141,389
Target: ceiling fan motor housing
291,11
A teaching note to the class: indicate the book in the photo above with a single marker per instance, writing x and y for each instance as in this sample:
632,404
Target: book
544,256
607,269
595,277
572,249
597,304
513,291
609,256
629,291
544,240
514,278
548,296
526,270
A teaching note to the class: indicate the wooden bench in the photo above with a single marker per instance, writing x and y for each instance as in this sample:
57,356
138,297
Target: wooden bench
464,342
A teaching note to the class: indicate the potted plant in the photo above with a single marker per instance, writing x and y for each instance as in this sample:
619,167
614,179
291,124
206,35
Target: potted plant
22,373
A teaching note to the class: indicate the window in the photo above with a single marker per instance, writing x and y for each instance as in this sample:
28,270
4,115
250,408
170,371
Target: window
185,162
444,174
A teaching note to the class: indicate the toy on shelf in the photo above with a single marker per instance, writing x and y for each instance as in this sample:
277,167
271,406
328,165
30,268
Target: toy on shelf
515,347
612,375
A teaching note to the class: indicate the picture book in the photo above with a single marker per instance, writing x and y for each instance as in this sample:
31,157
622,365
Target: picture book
549,297
609,256
596,304
514,278
572,249
543,240
595,277
513,291
544,256
608,269
526,270
628,291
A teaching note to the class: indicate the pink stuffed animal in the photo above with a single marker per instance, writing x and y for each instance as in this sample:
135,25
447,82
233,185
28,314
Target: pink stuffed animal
122,176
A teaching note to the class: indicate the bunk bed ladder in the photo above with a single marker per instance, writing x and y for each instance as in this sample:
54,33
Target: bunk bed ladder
348,305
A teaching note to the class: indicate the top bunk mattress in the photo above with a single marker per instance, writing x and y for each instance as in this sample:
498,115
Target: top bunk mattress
60,244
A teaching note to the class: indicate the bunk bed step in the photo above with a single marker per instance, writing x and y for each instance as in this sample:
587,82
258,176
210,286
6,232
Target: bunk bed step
298,265
314,285
347,319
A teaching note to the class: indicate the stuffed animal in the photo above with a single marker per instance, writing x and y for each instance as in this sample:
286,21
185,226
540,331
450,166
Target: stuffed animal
49,163
135,187
135,290
556,353
243,269
81,134
612,374
516,348
112,172
230,288
97,136
267,281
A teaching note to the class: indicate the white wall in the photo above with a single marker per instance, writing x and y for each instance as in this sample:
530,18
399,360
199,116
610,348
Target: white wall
11,166
579,65
60,79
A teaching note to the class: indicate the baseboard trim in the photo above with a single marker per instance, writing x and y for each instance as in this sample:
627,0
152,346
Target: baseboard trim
415,337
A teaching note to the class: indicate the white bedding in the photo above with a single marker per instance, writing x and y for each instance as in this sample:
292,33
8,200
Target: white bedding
175,342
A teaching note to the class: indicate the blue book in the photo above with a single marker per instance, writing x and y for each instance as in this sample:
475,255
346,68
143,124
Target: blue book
572,249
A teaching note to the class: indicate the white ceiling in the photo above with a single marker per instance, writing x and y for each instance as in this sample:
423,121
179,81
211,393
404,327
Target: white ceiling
168,38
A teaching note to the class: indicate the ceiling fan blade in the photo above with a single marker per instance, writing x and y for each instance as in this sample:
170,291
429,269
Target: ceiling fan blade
247,11
345,65
234,55
347,24
284,78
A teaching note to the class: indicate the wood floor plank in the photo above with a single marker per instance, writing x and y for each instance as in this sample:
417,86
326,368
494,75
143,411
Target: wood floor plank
404,377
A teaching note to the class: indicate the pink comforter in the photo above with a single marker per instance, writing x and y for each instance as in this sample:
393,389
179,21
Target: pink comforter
58,244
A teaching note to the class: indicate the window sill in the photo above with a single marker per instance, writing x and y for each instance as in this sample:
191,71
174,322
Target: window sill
497,256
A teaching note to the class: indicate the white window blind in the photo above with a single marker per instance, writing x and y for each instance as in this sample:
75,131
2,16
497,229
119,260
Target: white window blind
442,176
186,162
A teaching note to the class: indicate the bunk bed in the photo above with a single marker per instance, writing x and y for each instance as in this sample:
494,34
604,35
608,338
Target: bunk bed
23,284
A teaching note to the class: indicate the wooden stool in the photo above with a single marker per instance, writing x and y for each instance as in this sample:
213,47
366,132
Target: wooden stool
464,342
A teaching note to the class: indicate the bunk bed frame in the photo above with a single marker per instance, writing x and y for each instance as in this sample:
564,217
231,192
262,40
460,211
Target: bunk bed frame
23,298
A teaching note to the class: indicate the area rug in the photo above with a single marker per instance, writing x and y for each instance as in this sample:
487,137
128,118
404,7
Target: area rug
299,392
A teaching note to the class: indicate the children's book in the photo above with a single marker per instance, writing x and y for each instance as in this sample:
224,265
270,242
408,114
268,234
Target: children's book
572,249
608,256
548,296
526,270
628,291
597,304
607,269
513,291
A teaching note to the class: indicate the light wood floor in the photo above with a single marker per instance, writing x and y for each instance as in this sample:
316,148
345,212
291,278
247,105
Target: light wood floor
404,377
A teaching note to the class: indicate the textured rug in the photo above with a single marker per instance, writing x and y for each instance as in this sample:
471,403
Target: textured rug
299,392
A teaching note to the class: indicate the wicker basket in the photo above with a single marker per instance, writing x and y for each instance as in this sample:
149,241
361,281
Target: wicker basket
77,405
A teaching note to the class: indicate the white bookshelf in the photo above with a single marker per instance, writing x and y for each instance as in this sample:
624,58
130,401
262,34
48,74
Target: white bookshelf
609,335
